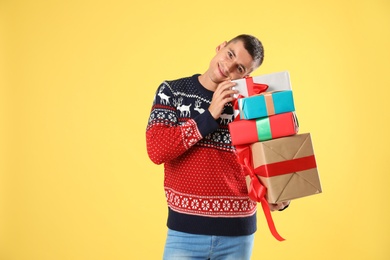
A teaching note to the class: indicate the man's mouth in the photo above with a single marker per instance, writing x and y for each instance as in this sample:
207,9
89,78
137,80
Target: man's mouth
221,71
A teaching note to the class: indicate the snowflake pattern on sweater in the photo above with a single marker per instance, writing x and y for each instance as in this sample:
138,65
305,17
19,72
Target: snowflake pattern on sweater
202,175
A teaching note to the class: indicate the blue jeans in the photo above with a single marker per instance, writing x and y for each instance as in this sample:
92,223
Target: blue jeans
184,246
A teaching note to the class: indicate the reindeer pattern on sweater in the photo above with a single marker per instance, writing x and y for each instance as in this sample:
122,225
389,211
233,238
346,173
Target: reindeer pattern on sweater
187,103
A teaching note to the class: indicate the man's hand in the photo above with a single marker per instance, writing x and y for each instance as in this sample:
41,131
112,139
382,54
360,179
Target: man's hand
278,206
222,95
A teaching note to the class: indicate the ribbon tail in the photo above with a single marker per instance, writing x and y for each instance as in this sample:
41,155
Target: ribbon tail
268,216
256,190
236,108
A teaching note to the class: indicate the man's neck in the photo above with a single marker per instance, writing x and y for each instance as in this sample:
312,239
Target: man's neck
207,83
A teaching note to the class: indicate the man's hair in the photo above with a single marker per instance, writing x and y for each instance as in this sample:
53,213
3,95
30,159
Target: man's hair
253,46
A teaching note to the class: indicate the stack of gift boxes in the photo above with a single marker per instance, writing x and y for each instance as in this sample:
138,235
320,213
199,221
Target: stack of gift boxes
268,144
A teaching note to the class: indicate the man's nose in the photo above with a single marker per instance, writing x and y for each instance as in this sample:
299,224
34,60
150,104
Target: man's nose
230,66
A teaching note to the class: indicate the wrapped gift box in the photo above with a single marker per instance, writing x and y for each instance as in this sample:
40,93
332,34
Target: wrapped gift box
262,129
266,104
286,167
275,82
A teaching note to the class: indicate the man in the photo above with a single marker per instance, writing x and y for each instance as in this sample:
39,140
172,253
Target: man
210,215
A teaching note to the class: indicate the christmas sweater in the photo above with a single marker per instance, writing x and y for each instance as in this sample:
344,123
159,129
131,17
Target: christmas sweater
205,186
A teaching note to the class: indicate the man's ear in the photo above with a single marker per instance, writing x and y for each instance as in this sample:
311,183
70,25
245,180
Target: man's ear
219,47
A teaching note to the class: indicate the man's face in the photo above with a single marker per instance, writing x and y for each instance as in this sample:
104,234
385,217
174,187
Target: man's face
232,61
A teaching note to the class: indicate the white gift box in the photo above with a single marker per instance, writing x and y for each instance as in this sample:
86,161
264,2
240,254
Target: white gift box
275,81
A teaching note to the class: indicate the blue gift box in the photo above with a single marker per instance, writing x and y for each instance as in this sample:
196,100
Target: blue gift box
266,104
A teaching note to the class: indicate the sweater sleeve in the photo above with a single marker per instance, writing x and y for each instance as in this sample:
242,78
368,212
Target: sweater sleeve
166,137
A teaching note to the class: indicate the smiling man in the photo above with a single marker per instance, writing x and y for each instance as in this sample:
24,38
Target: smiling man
210,215
233,60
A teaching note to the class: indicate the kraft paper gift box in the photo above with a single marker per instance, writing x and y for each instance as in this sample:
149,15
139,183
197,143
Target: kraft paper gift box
275,82
262,129
266,104
286,167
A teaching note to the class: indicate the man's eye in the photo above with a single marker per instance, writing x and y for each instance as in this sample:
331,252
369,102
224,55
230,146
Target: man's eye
230,54
240,70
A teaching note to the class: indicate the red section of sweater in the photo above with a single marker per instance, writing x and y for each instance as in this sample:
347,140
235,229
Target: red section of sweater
202,175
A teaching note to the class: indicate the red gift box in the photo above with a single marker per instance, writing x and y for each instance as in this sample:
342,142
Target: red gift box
262,129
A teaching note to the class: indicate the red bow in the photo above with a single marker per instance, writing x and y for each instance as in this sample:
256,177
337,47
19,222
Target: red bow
254,88
256,190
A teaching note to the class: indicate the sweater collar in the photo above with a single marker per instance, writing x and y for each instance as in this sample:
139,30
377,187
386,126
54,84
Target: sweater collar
200,87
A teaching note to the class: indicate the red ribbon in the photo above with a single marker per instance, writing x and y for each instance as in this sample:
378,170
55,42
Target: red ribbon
235,102
254,88
286,167
256,190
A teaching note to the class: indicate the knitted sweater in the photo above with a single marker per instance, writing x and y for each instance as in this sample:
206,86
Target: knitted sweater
204,184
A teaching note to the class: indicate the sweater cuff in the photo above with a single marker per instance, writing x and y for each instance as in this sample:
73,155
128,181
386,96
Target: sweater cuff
206,123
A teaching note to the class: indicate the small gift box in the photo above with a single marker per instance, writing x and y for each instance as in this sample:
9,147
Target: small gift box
262,129
266,104
286,167
269,82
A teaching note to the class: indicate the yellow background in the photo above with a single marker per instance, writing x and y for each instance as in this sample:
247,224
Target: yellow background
77,83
